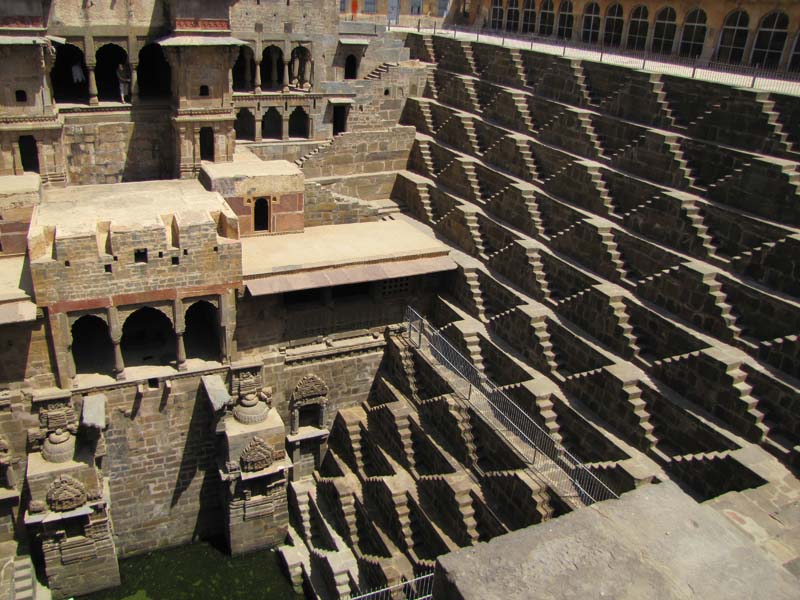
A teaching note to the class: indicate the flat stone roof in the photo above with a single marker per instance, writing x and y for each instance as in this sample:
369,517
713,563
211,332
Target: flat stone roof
77,210
251,167
331,246
654,542
20,184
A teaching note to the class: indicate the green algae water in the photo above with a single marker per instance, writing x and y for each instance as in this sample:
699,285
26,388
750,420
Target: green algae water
197,572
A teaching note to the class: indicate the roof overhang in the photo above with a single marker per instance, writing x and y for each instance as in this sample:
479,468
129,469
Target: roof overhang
305,280
342,100
354,41
176,41
20,311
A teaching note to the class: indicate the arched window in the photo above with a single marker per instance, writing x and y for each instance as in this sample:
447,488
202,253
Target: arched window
637,29
694,34
771,39
298,123
590,32
351,67
245,125
301,67
497,14
244,70
733,38
547,18
272,125
153,73
92,350
529,17
201,337
69,76
614,26
512,18
794,63
111,69
271,68
207,143
28,153
565,20
261,214
664,31
148,338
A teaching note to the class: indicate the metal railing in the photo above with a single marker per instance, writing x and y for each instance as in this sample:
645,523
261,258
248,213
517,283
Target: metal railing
756,77
419,588
546,457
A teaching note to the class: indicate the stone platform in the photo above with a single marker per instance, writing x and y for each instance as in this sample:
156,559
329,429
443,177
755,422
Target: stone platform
655,542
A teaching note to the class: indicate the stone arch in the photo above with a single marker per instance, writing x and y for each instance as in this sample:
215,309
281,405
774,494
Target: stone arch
92,350
257,455
69,77
301,67
298,123
308,404
109,57
244,70
261,214
153,73
351,67
272,67
272,124
245,125
201,334
148,338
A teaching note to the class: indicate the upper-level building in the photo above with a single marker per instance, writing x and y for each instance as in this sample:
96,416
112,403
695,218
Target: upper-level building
758,33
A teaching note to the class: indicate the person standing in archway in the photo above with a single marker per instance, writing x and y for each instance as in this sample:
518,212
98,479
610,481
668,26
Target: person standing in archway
124,79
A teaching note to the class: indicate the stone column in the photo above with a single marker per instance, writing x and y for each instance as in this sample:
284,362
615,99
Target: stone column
285,130
285,75
134,83
92,86
258,77
295,71
180,328
115,333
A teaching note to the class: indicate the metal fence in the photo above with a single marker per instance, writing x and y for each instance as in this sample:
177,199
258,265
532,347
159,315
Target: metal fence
546,457
772,80
419,588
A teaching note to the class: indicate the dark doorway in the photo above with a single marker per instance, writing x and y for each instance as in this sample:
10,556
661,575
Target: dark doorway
28,153
272,125
92,349
109,58
261,215
207,143
153,73
245,125
271,68
69,76
201,338
351,67
298,123
148,338
339,119
244,71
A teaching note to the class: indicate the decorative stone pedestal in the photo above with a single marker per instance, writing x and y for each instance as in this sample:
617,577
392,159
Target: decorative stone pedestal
68,513
253,470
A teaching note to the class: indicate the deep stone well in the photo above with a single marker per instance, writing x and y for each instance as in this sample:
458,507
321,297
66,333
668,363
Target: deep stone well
615,249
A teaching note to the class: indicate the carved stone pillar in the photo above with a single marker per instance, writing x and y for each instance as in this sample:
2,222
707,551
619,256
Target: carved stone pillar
285,75
258,77
295,70
115,333
134,84
180,351
92,86
180,328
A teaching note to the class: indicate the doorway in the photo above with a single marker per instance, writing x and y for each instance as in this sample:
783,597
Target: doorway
339,119
29,153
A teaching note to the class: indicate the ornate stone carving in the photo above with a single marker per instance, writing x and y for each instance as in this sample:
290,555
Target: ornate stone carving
246,381
59,446
309,386
256,455
250,410
65,493
58,415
